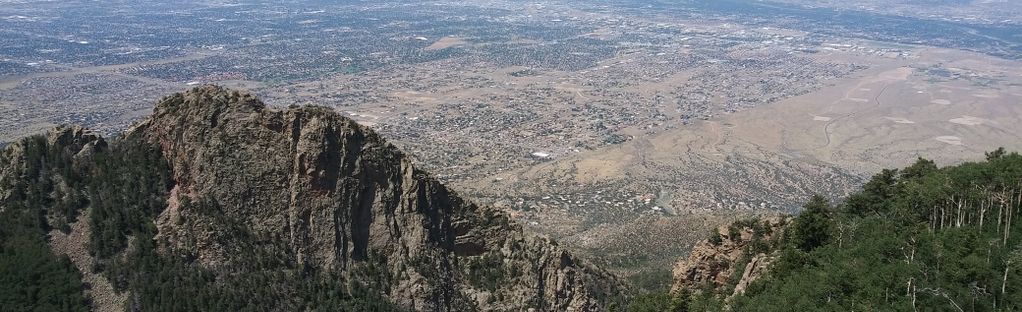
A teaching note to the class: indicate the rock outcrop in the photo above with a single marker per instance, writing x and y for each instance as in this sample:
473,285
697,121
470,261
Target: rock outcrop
74,141
734,257
322,191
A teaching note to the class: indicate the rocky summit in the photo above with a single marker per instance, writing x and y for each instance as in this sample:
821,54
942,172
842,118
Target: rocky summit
236,195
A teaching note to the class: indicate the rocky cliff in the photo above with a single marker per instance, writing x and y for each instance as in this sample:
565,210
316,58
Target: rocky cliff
314,191
730,259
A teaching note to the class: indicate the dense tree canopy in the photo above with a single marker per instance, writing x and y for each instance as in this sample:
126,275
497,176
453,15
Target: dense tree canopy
32,278
919,238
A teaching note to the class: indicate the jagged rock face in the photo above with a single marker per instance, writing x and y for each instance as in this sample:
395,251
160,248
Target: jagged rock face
714,262
312,187
73,140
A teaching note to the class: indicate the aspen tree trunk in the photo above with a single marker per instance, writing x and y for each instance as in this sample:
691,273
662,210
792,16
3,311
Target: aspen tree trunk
943,216
968,215
1018,199
912,257
957,213
1004,281
1000,213
1009,212
962,212
1007,225
950,215
982,212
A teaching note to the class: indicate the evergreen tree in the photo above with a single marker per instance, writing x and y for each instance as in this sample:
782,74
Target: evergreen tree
813,226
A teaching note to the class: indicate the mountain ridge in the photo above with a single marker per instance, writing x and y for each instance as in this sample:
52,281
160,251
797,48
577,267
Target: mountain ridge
248,189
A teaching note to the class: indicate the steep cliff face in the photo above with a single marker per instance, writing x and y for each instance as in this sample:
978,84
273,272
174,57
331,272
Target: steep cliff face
731,259
310,187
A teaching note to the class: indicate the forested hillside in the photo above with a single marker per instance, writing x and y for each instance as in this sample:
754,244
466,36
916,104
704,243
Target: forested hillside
31,277
920,238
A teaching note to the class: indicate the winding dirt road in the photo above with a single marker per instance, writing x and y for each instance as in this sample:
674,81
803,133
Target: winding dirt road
826,128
